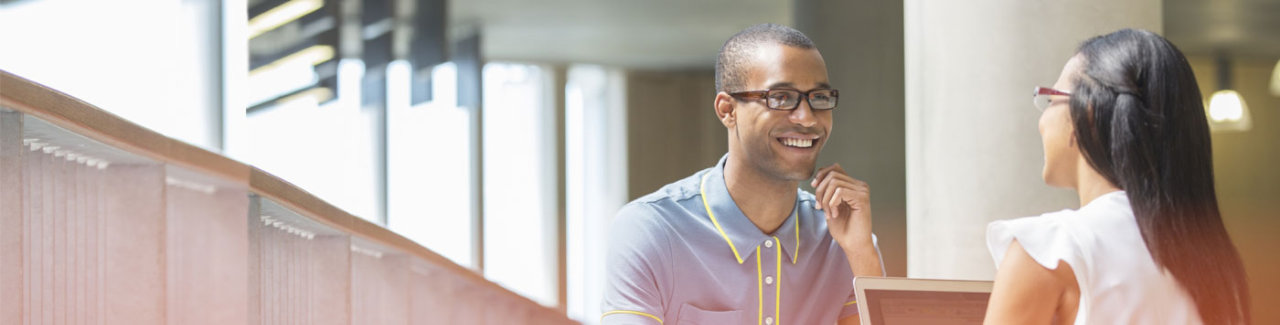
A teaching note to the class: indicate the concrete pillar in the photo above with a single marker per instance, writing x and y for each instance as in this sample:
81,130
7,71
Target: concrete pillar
973,150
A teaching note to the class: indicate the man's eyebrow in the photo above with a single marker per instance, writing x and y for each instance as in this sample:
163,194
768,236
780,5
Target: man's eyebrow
786,84
783,84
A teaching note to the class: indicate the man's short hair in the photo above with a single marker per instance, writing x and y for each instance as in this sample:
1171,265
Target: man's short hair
731,63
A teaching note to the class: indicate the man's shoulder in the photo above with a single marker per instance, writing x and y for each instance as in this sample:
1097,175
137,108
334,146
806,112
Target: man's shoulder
675,192
665,206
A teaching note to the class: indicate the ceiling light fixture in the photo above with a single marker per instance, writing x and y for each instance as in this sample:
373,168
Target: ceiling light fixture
310,56
1227,110
280,15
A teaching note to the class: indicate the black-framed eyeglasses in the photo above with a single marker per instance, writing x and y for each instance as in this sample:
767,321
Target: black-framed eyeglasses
788,99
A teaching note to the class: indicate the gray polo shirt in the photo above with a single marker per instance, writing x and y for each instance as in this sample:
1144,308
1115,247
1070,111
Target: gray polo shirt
687,255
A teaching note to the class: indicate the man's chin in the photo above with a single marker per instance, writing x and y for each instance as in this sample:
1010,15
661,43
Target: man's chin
800,174
798,169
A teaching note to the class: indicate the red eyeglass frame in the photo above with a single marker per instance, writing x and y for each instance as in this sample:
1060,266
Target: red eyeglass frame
1049,91
1045,92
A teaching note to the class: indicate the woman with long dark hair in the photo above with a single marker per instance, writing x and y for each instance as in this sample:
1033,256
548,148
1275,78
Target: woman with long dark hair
1125,127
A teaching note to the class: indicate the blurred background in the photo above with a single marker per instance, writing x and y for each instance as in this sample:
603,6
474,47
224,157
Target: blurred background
504,134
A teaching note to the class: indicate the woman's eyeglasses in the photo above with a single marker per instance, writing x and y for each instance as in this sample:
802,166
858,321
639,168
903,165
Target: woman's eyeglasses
1043,97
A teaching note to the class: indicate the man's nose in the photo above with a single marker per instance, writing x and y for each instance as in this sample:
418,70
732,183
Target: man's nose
803,114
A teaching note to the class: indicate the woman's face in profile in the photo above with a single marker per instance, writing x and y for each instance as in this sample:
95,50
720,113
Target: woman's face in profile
1057,133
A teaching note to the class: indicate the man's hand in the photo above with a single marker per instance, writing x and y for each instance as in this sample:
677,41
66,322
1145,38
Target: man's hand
847,203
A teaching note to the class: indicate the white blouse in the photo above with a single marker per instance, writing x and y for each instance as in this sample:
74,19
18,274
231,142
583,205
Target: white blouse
1119,281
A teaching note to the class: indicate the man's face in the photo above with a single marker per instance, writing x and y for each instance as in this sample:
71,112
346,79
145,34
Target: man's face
783,143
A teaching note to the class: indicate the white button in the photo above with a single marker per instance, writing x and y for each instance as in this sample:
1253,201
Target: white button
768,280
768,243
768,320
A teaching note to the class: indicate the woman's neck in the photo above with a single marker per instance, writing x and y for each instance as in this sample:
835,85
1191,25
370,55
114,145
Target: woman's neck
1090,184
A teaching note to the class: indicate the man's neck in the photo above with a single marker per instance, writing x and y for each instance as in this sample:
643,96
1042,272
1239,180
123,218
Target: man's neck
766,201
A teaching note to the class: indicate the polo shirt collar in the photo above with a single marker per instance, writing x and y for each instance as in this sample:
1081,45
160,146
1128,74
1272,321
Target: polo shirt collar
742,236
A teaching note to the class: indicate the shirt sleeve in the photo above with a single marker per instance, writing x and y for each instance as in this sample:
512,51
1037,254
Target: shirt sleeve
850,303
636,268
1045,238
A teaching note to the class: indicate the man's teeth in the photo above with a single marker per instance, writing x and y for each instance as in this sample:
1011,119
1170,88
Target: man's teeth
799,143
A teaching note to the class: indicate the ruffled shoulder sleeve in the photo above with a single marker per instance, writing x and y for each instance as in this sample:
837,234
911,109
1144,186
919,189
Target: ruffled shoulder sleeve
1047,238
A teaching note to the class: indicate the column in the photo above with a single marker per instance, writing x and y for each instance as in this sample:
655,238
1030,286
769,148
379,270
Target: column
973,150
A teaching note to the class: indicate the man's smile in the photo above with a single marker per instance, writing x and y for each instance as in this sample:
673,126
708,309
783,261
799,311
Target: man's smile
798,140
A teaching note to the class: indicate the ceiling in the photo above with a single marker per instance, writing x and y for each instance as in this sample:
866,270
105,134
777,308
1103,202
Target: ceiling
644,34
687,33
1241,28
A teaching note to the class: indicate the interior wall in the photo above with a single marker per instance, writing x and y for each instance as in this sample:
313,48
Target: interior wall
1247,177
672,130
862,44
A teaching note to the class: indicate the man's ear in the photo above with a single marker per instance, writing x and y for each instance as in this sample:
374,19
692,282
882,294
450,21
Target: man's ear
725,106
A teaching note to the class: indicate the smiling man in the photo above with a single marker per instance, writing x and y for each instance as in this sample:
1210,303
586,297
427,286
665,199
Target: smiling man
740,242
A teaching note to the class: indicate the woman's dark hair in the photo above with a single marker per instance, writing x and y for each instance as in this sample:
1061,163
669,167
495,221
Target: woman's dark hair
1140,122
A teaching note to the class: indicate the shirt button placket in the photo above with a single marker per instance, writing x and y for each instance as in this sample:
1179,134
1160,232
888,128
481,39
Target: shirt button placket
770,255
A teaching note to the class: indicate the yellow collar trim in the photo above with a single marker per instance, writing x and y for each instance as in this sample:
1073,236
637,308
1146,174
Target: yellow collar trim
702,187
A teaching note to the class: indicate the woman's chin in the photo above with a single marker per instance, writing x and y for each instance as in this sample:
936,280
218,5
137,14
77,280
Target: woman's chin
1050,179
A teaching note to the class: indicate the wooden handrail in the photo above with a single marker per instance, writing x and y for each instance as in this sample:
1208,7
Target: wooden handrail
77,116
65,111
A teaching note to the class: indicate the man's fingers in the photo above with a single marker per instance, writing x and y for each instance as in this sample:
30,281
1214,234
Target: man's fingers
828,180
841,201
834,201
819,190
823,190
846,192
833,212
832,188
819,175
836,167
825,184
